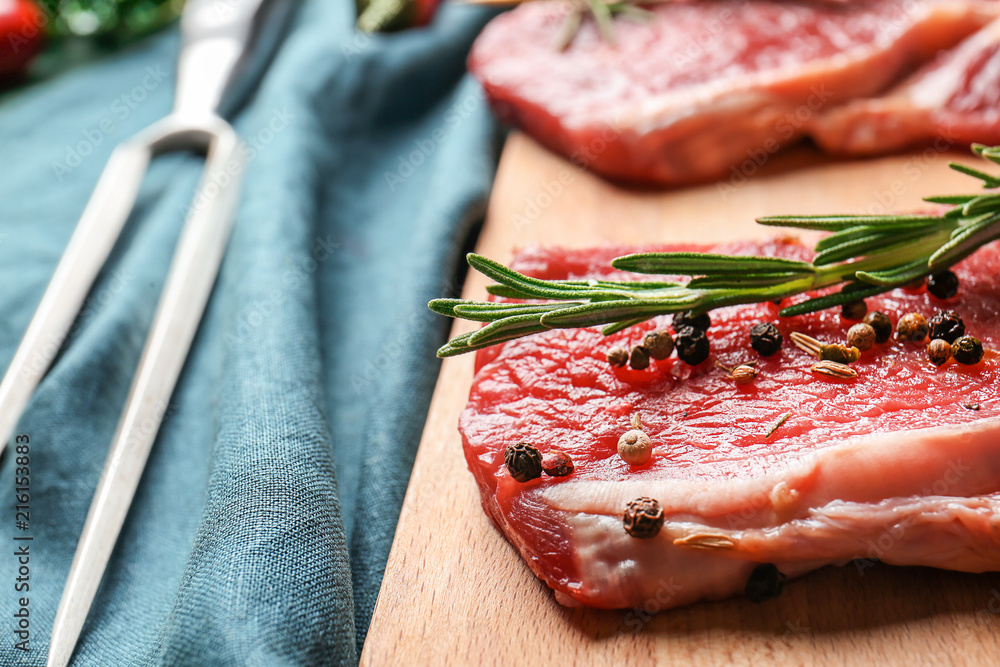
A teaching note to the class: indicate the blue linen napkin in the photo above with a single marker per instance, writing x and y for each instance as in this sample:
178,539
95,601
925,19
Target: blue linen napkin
262,525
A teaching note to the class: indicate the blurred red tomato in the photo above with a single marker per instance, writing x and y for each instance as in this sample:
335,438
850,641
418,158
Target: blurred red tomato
425,11
22,30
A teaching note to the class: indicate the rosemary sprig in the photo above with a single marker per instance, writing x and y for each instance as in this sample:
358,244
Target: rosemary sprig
603,12
868,254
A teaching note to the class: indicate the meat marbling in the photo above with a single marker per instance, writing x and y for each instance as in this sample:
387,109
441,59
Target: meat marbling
901,464
694,92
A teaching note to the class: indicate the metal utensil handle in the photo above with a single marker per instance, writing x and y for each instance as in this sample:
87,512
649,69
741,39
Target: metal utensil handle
216,35
189,283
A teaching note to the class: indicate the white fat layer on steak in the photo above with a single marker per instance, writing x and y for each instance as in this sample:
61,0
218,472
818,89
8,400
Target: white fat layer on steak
925,497
863,468
960,533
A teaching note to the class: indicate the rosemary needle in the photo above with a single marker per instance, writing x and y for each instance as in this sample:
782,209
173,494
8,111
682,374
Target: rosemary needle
867,254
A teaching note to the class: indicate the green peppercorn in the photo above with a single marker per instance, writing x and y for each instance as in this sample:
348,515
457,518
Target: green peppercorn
643,518
854,310
861,336
967,350
765,583
938,351
765,339
638,358
685,319
839,353
692,345
659,343
943,285
557,463
947,324
912,327
618,356
524,461
881,323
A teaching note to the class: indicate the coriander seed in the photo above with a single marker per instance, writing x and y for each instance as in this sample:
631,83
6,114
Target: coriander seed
692,345
743,374
659,344
967,350
881,323
618,356
912,327
861,336
635,447
854,310
765,339
765,583
557,463
685,319
943,285
643,518
638,358
947,324
938,351
524,462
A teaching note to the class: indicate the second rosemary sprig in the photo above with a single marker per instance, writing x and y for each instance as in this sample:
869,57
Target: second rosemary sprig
869,254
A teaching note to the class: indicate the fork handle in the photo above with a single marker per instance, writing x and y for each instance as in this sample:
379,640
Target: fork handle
221,51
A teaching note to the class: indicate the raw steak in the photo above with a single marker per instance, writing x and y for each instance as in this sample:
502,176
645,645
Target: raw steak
953,100
703,87
901,464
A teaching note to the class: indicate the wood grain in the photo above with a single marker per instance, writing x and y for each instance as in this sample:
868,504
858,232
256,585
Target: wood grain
456,593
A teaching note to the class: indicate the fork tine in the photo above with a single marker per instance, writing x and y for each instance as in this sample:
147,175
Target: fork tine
189,283
88,248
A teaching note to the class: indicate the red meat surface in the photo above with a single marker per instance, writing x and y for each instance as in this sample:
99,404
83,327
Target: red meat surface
701,87
901,464
954,100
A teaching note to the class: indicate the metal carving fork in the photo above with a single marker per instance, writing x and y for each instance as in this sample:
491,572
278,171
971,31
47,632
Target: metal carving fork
225,44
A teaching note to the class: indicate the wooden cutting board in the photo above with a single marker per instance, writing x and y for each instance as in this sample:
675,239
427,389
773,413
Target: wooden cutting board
456,593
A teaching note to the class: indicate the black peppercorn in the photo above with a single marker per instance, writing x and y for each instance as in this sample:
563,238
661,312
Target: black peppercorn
692,345
881,323
557,463
967,350
854,310
659,343
524,461
765,583
947,324
684,319
638,358
643,518
618,356
943,285
765,339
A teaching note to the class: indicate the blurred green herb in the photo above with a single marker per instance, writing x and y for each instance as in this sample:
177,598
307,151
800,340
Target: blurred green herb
115,22
870,254
603,13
